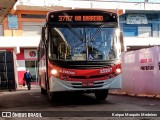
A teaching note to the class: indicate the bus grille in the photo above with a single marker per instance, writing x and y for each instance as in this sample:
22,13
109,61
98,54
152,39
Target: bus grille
84,77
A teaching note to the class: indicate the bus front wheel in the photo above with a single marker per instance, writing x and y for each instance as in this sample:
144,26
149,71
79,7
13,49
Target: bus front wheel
101,94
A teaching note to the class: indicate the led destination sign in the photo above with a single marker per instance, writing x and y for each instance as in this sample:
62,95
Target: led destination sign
80,18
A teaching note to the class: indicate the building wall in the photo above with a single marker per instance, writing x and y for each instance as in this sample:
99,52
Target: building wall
20,66
23,39
149,28
33,17
141,30
26,55
32,28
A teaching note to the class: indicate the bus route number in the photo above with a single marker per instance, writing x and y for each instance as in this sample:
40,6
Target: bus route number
65,18
106,70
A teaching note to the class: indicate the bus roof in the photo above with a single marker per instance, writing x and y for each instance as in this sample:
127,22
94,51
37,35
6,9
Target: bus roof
116,11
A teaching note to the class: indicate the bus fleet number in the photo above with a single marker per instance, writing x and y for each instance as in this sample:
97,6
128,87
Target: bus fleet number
106,70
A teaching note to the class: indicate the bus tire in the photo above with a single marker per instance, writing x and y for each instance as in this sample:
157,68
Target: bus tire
43,91
101,94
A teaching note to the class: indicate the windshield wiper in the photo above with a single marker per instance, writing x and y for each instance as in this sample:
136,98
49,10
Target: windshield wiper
97,32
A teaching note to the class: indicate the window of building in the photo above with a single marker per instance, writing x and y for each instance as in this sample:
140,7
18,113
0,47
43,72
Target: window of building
155,30
130,31
33,16
144,31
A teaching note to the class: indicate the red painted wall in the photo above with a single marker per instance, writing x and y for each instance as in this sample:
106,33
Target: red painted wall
20,56
20,77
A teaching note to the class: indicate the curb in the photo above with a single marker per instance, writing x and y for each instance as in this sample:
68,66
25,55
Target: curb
134,95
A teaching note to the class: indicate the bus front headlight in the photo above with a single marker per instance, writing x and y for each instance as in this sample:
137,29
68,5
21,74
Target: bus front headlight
118,70
54,71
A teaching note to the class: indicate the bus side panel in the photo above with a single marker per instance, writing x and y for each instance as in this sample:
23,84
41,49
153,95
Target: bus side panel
42,72
117,82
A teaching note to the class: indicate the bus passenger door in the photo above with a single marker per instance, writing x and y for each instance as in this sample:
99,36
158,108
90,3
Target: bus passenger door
42,60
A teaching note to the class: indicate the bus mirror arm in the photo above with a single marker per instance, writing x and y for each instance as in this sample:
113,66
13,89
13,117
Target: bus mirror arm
121,41
43,34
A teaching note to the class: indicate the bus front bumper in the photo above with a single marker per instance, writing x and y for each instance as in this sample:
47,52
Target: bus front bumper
57,85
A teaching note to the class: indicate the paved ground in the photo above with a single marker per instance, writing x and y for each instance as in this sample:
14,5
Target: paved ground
87,106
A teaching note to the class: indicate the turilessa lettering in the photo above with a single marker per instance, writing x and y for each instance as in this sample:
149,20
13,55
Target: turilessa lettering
67,72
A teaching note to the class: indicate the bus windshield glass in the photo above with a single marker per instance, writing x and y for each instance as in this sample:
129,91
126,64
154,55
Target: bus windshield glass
85,43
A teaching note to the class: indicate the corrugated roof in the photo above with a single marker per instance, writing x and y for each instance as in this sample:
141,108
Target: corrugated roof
5,7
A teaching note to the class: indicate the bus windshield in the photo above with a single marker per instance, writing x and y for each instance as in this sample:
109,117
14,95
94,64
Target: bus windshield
82,43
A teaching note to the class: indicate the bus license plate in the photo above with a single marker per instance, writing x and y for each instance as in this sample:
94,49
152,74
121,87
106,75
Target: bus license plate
87,84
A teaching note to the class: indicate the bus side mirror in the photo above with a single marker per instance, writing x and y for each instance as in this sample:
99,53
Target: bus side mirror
43,34
121,41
